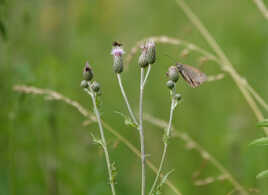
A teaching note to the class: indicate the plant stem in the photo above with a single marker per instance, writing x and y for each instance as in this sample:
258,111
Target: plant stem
141,133
167,134
147,75
104,144
126,100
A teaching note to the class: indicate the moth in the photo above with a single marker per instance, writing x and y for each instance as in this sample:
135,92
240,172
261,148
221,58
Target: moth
191,75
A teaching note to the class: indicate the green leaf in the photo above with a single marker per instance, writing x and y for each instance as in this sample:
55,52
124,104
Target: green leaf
128,120
163,181
263,174
263,123
260,142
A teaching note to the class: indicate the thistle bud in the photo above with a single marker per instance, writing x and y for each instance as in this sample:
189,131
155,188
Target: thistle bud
148,54
177,96
151,53
170,84
87,73
143,61
84,84
95,86
117,53
173,73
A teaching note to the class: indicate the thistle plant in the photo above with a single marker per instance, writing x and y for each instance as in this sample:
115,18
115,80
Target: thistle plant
93,89
173,76
146,59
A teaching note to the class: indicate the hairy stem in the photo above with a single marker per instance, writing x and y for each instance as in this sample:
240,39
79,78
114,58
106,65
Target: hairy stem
104,144
126,100
167,134
143,176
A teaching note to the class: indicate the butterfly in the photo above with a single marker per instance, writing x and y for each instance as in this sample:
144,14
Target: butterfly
191,75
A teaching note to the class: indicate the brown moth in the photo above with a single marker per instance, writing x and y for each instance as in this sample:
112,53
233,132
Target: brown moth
191,75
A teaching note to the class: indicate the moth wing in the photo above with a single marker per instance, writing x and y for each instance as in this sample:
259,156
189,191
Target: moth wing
193,76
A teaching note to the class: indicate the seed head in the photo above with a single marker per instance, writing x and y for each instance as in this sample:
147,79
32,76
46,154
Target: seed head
173,73
88,73
117,53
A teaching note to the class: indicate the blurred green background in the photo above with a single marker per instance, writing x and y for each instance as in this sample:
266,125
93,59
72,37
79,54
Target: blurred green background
45,149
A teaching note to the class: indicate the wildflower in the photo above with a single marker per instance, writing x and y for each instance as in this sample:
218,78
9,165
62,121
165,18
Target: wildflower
148,54
117,53
173,73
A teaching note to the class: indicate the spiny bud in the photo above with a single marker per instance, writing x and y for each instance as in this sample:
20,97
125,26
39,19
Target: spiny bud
117,53
177,96
148,54
143,61
170,84
84,84
87,73
173,73
95,86
151,51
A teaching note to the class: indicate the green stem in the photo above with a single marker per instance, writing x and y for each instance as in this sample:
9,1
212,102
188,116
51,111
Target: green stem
104,144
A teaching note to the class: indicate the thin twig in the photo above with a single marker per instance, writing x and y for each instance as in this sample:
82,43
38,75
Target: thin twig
53,95
263,9
143,174
185,137
126,100
226,64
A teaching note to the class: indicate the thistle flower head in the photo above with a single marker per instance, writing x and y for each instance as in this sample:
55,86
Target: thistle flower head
117,49
87,73
117,53
148,55
173,73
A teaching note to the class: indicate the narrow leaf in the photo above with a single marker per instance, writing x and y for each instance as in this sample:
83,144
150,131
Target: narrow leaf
163,181
263,174
260,142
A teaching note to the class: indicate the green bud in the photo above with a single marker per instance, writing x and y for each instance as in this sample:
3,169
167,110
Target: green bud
170,84
143,61
173,73
95,86
151,52
117,53
118,64
87,73
177,96
84,84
